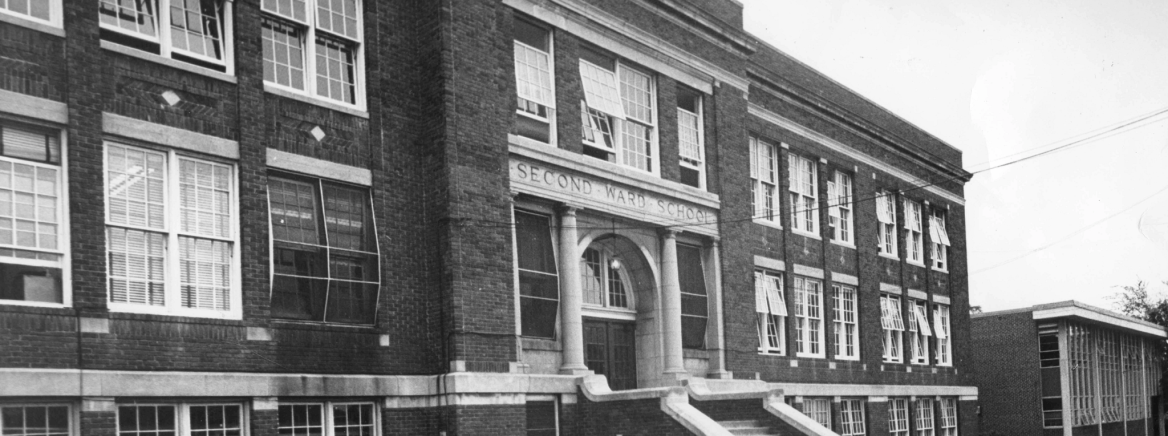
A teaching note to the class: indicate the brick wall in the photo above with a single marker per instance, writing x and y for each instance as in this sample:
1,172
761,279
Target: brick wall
1006,372
637,417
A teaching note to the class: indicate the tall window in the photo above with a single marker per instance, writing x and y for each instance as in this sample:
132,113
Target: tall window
193,31
847,332
170,233
764,181
169,419
839,210
541,418
34,420
818,409
315,47
939,240
620,119
603,280
919,332
534,83
691,137
924,417
804,194
44,11
886,222
539,285
771,308
898,417
694,302
1048,358
944,335
913,231
852,418
949,417
32,238
327,419
893,324
808,317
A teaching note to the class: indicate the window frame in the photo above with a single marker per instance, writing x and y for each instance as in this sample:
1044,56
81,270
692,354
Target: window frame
893,351
700,131
820,412
767,320
924,411
841,209
914,232
606,257
942,320
761,190
700,256
165,41
328,419
919,335
949,423
850,409
839,315
939,240
70,413
551,109
555,412
898,423
814,338
617,123
886,235
182,415
796,172
308,32
172,286
56,14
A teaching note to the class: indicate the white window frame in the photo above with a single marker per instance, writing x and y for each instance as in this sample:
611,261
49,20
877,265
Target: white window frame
839,209
69,412
308,29
172,231
941,324
914,232
898,417
924,417
549,105
948,416
852,420
56,13
617,121
919,332
939,241
165,40
182,415
808,315
697,163
840,316
886,224
819,410
327,422
770,311
63,227
893,325
764,183
804,194
606,259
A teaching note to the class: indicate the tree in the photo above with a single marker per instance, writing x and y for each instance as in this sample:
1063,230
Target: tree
1134,301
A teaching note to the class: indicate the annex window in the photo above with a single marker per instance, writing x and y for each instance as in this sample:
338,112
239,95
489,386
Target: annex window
694,303
944,335
893,325
315,47
886,222
852,418
919,332
818,409
948,417
839,210
182,419
539,285
771,308
804,194
32,214
764,181
913,231
542,419
43,11
1048,346
35,420
924,417
898,417
691,137
192,31
325,263
534,82
939,240
603,280
618,114
171,237
327,419
845,317
808,317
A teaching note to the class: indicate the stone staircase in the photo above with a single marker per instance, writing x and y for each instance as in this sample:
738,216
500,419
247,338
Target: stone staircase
748,428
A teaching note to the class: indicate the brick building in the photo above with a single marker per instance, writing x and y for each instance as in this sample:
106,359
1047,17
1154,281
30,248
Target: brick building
1068,368
462,217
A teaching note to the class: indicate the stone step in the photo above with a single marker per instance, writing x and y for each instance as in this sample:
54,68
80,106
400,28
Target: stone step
748,428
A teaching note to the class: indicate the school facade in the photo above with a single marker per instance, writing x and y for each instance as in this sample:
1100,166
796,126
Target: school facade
261,217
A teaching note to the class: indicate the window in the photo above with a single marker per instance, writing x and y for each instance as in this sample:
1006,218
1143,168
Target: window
924,415
603,280
170,233
845,316
893,325
618,113
944,335
1052,412
180,419
808,318
771,308
839,210
852,418
534,84
542,419
898,416
539,285
948,417
804,194
939,238
34,420
319,54
919,332
691,137
694,303
45,11
192,31
886,222
912,227
327,419
818,409
764,181
33,236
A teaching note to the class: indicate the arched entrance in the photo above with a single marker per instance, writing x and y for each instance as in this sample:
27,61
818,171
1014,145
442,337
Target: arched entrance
617,284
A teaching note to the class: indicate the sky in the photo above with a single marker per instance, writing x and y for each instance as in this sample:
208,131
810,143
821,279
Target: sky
1004,79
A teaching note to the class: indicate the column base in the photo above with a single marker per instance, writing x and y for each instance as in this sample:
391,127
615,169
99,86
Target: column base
576,370
720,375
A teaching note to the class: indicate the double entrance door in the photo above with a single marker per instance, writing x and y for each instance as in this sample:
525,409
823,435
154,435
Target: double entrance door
610,350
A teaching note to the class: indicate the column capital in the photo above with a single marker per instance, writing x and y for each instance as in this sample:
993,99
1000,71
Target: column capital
669,232
568,208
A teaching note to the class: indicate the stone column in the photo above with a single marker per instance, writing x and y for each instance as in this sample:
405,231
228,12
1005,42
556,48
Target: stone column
670,304
571,298
717,334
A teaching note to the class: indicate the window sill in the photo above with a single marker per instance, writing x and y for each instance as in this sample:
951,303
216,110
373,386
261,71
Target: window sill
843,244
319,324
183,313
769,352
915,263
135,53
888,256
351,110
848,358
32,24
34,304
768,223
806,234
942,271
809,356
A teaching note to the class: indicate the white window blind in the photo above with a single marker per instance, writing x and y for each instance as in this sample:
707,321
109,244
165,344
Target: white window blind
600,89
912,211
940,235
890,317
941,328
884,214
689,137
918,311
